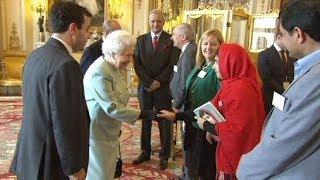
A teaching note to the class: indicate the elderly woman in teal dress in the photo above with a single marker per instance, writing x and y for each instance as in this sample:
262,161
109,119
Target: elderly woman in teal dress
202,85
107,96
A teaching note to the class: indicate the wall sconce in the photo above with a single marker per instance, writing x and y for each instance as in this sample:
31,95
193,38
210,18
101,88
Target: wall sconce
39,7
115,8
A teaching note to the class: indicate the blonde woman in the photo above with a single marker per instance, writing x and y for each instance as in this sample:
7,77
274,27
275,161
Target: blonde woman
202,85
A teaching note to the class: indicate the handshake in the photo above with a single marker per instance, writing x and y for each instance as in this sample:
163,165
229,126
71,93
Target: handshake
173,115
154,114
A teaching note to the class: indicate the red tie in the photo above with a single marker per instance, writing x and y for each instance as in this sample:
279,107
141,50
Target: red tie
155,42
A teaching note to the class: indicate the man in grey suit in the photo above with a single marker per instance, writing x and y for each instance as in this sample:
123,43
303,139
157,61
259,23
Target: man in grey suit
290,144
183,37
54,136
153,62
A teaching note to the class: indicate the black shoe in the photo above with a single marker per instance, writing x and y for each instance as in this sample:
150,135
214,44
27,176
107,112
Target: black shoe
140,159
163,164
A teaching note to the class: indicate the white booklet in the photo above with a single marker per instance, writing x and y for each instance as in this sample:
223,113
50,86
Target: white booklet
209,112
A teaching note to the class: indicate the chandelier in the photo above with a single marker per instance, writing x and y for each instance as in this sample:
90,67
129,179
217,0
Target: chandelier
38,6
223,4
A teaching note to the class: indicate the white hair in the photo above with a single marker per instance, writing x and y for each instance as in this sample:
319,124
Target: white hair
186,29
117,42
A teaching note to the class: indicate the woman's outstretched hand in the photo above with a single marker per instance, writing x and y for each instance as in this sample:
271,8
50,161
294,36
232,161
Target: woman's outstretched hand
167,115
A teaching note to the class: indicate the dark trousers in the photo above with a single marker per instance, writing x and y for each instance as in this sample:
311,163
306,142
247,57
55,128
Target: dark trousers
159,100
165,137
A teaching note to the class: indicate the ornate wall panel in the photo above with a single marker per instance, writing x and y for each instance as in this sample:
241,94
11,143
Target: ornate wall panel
13,18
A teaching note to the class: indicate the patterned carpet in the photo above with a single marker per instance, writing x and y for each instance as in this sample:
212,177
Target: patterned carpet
10,120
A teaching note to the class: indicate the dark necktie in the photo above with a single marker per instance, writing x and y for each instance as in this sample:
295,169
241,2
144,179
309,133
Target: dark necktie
155,42
285,62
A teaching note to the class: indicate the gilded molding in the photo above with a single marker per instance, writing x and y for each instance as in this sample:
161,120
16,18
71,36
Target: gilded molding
14,40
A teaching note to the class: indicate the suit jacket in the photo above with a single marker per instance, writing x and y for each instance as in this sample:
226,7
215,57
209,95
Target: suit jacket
107,98
272,73
54,135
290,144
150,64
201,90
184,66
90,54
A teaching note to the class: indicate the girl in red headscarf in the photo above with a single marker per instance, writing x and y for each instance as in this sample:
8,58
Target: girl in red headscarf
240,102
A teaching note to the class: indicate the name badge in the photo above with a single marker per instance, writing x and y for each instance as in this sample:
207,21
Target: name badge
175,68
278,101
202,74
286,85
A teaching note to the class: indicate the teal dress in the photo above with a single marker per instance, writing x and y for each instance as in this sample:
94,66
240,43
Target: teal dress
199,154
107,97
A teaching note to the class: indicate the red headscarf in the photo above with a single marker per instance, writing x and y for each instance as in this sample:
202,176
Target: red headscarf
240,101
235,63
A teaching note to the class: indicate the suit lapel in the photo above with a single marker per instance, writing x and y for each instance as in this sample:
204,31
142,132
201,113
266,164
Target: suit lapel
148,43
276,56
275,52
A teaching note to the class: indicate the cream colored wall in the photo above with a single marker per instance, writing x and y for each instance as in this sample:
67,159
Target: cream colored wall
140,18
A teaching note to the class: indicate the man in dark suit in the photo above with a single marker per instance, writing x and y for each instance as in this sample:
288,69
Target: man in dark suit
54,136
93,51
276,70
183,37
154,59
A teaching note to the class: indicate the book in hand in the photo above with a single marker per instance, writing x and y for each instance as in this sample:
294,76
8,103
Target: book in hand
209,112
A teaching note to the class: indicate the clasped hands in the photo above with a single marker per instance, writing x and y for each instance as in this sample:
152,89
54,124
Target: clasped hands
154,85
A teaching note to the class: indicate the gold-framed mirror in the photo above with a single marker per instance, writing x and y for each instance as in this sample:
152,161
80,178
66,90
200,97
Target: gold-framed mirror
205,19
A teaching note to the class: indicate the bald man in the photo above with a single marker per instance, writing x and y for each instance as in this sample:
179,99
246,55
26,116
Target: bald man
92,52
